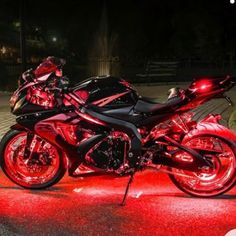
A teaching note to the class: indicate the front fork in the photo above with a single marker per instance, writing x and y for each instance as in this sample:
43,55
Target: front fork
31,145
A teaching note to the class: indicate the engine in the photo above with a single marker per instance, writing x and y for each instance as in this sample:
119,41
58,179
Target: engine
108,154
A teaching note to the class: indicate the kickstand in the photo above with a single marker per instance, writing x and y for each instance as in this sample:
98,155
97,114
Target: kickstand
127,188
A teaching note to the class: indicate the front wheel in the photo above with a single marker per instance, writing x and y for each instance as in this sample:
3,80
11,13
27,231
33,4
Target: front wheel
208,182
43,168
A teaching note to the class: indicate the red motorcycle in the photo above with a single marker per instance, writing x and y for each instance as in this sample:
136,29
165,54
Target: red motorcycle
103,125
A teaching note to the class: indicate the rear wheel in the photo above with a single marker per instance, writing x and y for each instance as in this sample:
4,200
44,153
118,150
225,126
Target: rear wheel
43,168
208,182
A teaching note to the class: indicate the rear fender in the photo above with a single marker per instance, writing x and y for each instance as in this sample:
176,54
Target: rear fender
211,128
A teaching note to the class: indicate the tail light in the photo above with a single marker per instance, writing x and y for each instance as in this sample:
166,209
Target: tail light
201,86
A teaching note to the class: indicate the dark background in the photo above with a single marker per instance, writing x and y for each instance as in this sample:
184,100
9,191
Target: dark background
200,36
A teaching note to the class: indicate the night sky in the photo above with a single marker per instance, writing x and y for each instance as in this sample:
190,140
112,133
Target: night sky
144,27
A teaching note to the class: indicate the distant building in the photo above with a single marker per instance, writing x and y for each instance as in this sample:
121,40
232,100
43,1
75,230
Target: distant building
10,47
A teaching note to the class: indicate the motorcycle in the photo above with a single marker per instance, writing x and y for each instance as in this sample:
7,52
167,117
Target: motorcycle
103,125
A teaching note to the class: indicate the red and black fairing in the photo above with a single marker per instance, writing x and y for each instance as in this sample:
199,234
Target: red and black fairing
106,92
112,96
33,93
32,98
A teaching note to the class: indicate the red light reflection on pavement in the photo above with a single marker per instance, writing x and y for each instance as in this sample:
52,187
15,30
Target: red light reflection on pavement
89,206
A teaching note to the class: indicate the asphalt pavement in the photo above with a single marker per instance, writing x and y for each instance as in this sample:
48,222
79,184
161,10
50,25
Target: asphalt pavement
4,101
90,206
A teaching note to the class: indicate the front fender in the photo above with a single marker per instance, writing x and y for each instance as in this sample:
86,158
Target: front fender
211,128
18,127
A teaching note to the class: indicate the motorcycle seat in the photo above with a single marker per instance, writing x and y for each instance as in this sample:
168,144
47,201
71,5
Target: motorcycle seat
148,105
150,100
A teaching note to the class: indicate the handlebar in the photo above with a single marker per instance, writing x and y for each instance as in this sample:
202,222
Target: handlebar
230,79
233,79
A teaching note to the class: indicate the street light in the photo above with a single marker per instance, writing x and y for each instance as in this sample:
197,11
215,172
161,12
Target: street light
232,1
3,50
54,39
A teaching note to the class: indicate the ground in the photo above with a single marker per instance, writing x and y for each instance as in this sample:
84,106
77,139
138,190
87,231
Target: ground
90,206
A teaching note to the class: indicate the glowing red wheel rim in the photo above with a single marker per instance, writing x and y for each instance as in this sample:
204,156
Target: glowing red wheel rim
213,181
30,172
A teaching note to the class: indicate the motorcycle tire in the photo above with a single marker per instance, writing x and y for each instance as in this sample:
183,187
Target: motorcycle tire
209,183
42,173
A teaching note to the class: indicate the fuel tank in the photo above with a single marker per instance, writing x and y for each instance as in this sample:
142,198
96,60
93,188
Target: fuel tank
106,91
109,95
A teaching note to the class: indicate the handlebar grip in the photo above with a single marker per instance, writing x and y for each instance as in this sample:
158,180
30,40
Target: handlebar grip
228,78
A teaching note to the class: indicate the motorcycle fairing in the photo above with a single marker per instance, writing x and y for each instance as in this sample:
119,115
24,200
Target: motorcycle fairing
107,91
29,120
